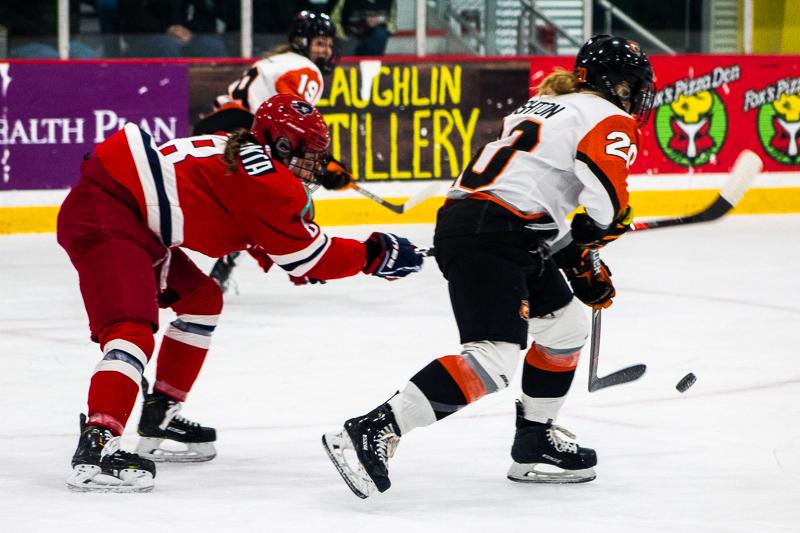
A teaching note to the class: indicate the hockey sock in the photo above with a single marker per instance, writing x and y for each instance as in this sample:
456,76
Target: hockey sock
446,384
451,382
127,346
546,377
187,340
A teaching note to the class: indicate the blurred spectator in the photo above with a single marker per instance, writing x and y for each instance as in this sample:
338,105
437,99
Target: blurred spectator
368,23
108,19
32,27
171,28
271,19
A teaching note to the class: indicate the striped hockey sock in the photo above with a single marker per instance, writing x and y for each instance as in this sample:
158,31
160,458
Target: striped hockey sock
127,346
546,378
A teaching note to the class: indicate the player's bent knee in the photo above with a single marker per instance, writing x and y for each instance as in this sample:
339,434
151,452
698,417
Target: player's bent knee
204,299
565,329
493,362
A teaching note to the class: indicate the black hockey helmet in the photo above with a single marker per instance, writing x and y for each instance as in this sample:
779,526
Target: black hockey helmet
605,62
307,25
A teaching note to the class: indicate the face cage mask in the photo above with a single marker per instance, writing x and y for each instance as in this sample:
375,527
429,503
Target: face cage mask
642,103
308,166
641,99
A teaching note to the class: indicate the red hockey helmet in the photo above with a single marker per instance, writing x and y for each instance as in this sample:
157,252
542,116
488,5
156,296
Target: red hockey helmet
290,124
295,132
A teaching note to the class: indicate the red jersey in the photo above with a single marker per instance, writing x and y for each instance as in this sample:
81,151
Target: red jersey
188,197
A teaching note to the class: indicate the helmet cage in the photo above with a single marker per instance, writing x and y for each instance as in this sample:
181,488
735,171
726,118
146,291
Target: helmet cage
308,166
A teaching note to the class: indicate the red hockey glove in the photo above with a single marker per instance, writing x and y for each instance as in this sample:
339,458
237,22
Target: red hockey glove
260,254
587,233
391,257
591,281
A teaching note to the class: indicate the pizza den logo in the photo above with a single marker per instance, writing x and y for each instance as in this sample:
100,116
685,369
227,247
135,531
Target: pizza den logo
691,121
778,119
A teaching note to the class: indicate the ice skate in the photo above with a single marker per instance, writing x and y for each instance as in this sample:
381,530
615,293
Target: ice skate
100,466
363,467
222,269
542,454
168,437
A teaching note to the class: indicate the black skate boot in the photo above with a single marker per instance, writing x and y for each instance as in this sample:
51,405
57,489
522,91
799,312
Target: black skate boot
221,271
160,422
100,466
374,438
542,455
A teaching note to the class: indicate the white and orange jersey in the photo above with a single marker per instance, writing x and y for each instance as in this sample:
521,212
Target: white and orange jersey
287,73
554,154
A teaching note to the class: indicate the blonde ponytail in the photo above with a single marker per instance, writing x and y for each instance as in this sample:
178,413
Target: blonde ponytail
559,81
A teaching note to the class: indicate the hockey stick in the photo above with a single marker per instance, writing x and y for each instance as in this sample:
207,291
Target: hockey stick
744,171
418,198
631,373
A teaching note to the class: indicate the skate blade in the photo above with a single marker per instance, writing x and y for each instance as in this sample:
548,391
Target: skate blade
189,452
89,478
544,473
357,479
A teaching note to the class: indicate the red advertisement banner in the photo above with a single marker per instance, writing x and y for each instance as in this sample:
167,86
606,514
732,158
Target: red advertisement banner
710,108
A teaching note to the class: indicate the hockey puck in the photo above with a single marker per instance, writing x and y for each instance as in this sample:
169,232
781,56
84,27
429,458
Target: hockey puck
686,382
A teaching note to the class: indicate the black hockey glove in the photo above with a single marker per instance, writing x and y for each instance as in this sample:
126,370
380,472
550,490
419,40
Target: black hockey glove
335,176
587,233
391,257
591,280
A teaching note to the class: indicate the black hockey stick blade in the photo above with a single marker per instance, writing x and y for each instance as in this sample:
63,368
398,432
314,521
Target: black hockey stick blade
744,171
631,373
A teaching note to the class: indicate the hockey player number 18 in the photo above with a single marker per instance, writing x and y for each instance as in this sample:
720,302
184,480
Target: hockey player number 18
523,138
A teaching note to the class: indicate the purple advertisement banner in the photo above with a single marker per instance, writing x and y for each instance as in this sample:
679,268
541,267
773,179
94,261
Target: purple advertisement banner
52,114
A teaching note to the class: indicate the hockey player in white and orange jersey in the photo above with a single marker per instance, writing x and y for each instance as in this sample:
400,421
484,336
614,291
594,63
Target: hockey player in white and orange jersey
295,68
501,239
124,226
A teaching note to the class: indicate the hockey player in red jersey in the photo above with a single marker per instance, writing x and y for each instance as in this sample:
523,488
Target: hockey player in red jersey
124,226
501,239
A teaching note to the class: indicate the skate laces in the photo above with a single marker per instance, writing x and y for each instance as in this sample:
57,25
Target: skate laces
111,447
386,443
172,414
554,434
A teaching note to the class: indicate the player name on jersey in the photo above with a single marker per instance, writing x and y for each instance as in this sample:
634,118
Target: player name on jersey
539,108
254,161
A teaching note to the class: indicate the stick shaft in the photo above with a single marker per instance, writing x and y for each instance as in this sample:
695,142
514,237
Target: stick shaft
594,348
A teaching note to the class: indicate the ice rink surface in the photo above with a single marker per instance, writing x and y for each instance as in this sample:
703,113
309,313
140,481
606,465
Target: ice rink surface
288,363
